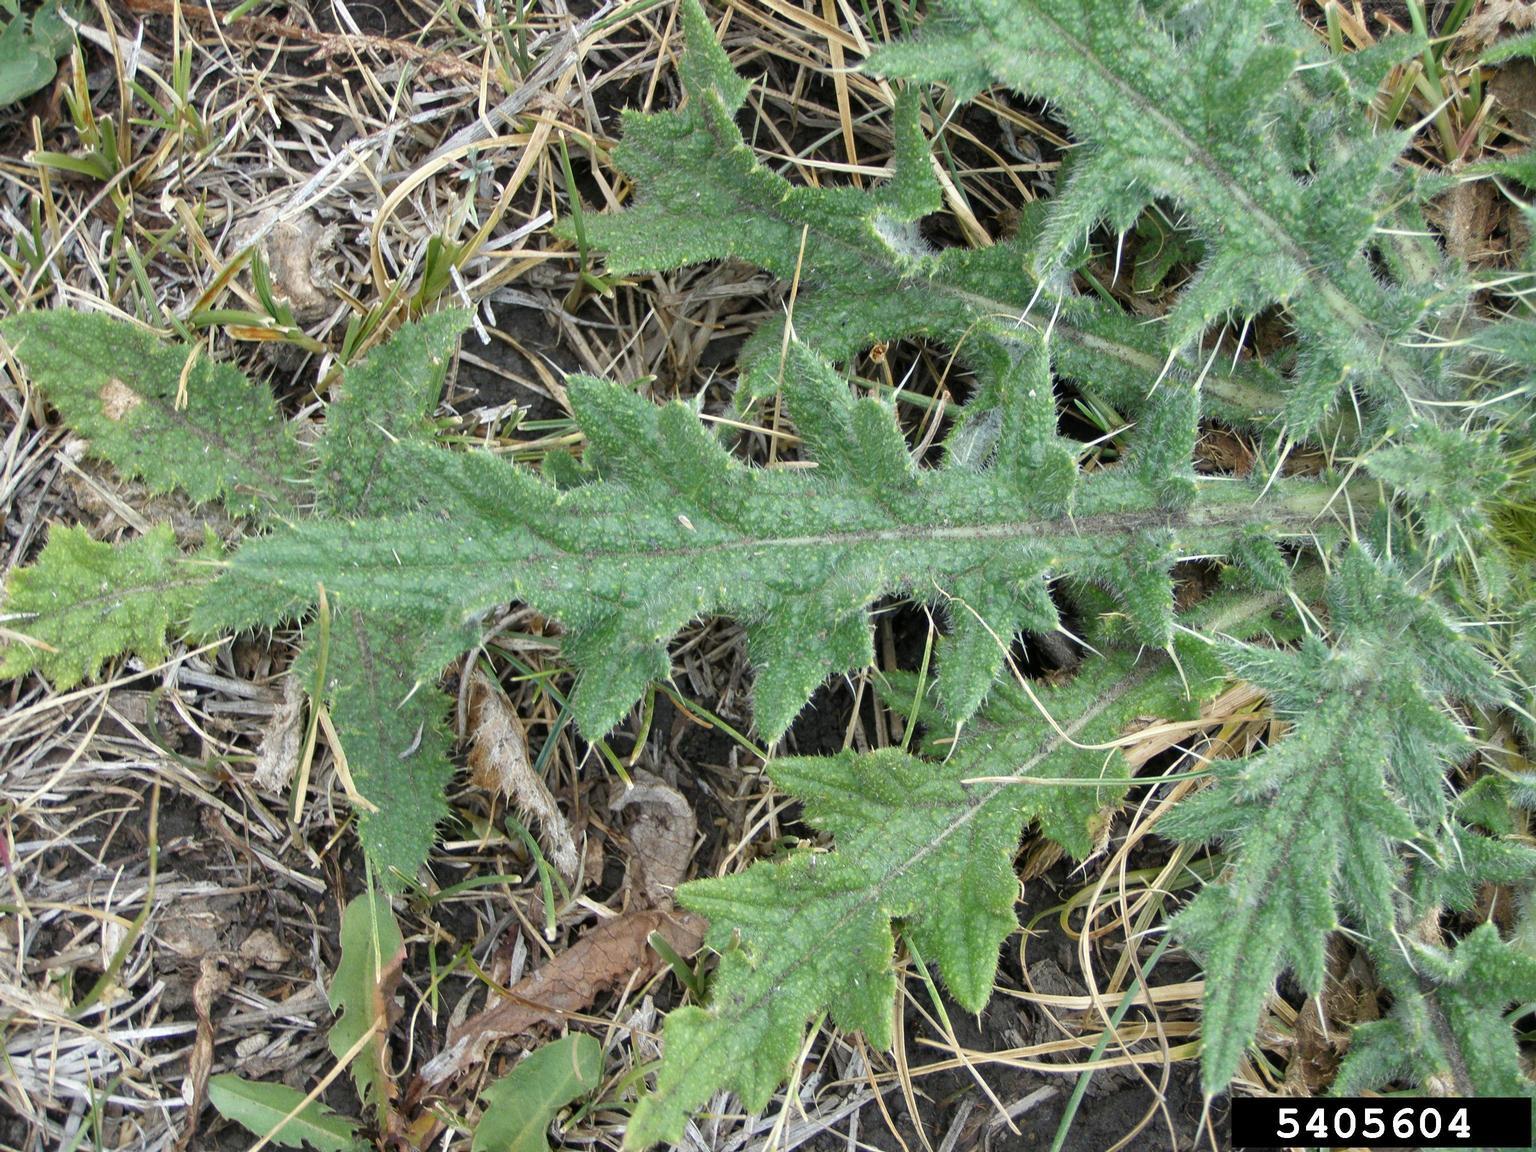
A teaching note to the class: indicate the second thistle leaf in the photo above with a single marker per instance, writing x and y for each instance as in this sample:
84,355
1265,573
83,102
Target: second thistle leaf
865,273
1316,821
164,414
1282,219
1452,1030
928,842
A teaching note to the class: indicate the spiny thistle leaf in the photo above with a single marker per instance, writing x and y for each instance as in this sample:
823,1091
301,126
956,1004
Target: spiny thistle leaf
921,841
682,530
164,414
393,732
388,712
865,273
384,399
1278,224
1450,1030
1317,821
1446,476
83,602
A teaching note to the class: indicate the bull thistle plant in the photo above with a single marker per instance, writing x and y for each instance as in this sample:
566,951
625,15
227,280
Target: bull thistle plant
1382,606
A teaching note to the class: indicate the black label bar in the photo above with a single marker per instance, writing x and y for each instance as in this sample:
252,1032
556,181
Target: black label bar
1381,1122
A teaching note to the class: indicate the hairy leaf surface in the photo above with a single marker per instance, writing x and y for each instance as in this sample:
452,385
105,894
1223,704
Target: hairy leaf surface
84,602
388,711
1450,1029
1282,220
162,413
920,841
683,530
1318,823
865,273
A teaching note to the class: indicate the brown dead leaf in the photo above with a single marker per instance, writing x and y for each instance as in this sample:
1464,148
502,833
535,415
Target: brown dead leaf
1324,1024
117,399
282,740
662,837
1224,451
212,982
608,955
296,252
1494,20
1466,213
1513,85
265,950
498,761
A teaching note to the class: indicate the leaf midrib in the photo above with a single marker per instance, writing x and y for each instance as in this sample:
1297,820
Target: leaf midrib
1133,681
1314,273
1228,387
1294,510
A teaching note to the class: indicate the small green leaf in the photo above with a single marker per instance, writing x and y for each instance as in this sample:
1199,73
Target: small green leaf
372,952
261,1107
1510,48
521,1105
29,50
1446,475
84,602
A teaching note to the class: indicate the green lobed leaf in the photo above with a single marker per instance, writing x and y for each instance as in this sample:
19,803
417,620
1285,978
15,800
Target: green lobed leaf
117,385
84,602
927,842
384,399
1446,475
521,1105
682,530
1450,1030
1282,219
260,1107
864,272
1317,823
388,712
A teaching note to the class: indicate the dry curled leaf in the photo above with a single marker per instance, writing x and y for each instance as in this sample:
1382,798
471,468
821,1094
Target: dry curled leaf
606,956
282,740
1495,19
213,981
498,761
661,837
